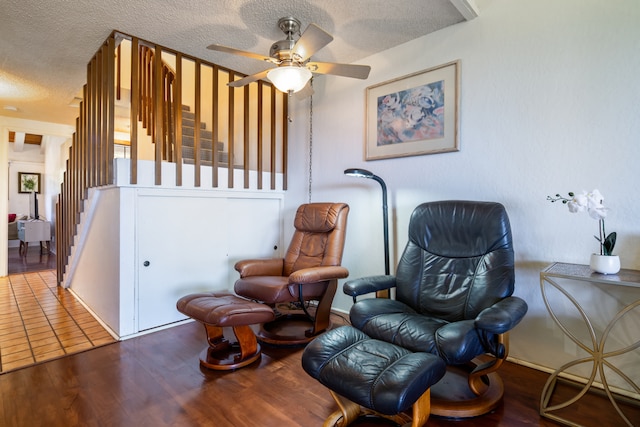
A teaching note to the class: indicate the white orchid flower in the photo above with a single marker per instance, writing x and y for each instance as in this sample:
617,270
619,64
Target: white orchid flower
595,208
578,203
593,203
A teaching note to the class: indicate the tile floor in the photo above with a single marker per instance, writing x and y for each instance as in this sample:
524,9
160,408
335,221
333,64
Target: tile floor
41,321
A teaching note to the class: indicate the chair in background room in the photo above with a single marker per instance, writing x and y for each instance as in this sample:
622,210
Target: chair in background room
308,273
453,298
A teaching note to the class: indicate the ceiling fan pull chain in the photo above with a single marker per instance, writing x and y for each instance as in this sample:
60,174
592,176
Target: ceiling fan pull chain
310,137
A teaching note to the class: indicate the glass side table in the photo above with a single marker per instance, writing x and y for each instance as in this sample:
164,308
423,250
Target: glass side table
560,279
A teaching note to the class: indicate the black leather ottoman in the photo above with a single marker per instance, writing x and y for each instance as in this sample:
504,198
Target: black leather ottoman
367,376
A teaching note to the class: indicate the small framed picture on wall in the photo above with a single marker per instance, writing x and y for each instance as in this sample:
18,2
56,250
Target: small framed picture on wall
28,182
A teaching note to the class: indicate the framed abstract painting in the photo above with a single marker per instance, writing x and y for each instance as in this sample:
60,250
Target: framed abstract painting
414,115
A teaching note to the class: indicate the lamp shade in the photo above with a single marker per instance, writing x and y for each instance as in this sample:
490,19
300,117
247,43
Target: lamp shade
361,173
289,78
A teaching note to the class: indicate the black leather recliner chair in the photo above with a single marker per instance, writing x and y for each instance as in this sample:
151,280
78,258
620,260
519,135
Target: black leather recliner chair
453,298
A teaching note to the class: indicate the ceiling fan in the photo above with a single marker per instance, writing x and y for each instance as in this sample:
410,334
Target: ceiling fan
291,57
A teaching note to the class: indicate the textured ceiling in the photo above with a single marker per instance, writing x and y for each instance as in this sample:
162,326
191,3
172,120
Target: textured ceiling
45,45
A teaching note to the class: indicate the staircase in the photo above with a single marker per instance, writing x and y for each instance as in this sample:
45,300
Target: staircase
152,100
206,142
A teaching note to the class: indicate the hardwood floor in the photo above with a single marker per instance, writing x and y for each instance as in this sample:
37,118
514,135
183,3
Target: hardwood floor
33,261
156,380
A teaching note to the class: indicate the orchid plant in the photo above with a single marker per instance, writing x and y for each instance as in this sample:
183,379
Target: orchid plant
592,203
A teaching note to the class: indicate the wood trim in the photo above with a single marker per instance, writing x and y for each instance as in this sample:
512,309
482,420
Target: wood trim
29,138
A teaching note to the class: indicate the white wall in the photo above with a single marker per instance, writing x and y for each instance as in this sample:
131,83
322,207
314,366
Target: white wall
549,103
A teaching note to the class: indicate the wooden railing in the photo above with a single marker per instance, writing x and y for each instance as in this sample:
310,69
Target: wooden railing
160,89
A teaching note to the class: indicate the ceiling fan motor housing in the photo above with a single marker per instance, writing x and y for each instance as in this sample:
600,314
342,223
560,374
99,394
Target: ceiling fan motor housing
281,50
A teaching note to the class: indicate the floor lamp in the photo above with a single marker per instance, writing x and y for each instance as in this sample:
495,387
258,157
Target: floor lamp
363,173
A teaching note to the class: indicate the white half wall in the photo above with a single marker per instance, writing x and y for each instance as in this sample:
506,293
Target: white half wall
139,249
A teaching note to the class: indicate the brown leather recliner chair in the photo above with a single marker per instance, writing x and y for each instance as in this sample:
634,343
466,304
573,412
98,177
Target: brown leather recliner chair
309,272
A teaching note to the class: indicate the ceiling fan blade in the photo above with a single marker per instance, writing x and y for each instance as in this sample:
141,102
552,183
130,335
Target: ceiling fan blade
312,40
344,70
235,51
249,79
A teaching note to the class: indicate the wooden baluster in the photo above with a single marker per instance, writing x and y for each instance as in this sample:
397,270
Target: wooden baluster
245,137
110,112
230,148
285,148
273,138
157,113
119,72
177,108
260,124
215,77
196,126
135,109
100,115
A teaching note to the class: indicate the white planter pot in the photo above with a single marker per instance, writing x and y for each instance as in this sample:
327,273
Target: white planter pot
605,264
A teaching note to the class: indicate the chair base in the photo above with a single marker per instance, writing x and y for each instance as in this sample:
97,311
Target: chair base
223,355
293,329
351,412
452,397
227,360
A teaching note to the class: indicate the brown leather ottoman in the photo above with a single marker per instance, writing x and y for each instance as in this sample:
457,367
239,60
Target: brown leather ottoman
218,310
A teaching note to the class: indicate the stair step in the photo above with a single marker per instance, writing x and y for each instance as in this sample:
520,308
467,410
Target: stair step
188,154
204,134
205,163
191,123
189,141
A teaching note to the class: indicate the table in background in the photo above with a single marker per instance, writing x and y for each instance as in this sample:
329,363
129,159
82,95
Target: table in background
555,275
34,230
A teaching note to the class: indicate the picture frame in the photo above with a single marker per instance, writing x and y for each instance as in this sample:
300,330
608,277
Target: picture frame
414,115
29,182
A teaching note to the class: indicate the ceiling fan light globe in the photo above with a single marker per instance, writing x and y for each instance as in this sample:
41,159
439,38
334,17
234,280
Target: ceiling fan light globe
289,78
